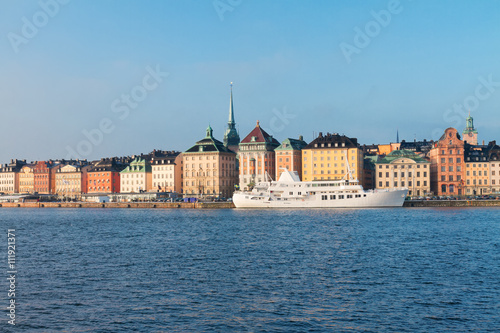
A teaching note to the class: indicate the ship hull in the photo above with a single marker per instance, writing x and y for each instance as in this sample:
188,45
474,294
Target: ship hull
392,198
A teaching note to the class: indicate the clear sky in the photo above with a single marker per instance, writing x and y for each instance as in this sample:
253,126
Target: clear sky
361,68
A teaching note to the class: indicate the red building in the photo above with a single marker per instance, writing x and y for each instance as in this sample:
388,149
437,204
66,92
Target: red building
42,177
447,164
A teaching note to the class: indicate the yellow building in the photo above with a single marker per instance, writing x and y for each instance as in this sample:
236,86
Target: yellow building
209,169
494,157
477,170
26,179
327,156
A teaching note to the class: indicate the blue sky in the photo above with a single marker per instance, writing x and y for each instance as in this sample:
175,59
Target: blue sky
285,58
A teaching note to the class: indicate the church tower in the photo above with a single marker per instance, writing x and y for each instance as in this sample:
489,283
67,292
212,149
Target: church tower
231,136
470,133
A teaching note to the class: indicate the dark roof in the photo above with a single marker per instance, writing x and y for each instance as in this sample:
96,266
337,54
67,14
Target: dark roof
107,164
478,153
209,144
322,141
258,135
417,146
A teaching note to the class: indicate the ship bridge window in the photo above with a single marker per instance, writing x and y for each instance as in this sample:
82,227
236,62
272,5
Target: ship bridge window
349,196
299,193
358,195
332,197
290,193
341,196
324,197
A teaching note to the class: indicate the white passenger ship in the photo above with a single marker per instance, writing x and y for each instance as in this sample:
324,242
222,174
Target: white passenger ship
290,192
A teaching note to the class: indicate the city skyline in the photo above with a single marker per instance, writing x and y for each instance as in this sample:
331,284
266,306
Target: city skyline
365,70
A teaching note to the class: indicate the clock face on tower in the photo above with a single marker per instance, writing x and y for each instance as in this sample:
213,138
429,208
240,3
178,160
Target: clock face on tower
470,134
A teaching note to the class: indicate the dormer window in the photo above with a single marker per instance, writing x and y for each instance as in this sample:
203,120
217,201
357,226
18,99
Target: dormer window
253,139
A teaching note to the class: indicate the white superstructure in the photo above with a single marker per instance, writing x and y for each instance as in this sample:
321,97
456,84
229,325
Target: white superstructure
289,191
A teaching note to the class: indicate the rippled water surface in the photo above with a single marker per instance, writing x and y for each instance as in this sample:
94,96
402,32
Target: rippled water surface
387,270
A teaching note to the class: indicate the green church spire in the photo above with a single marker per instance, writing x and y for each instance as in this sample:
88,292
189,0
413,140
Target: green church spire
231,136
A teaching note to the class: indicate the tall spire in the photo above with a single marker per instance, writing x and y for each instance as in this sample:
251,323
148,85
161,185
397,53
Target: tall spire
231,122
397,136
231,137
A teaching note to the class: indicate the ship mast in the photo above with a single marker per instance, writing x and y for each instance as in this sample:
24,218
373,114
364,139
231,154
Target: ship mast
349,172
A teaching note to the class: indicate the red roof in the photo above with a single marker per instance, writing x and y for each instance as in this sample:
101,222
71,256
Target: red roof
260,136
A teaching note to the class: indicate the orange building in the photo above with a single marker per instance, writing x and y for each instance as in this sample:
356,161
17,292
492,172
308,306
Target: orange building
289,156
447,164
104,177
388,148
257,157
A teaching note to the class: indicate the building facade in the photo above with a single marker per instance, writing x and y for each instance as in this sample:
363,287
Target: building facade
136,177
209,169
26,179
104,176
167,172
477,169
404,168
257,158
71,180
42,177
289,156
494,161
329,156
447,164
9,176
